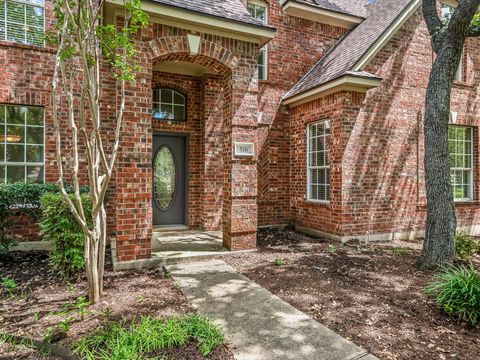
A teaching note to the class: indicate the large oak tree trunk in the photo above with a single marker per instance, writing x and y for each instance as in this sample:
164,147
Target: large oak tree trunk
439,246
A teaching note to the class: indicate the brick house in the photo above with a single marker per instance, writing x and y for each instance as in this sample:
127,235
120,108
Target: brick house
252,113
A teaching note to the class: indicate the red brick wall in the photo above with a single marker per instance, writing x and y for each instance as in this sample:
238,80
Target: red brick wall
298,44
378,149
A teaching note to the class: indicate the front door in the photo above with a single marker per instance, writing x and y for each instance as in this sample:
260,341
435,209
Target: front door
169,188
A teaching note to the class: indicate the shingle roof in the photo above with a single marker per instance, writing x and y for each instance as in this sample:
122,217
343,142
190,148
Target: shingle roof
226,9
349,50
350,7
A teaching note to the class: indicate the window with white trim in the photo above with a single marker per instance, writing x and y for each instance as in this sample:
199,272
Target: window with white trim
22,144
460,140
169,104
259,11
22,21
318,166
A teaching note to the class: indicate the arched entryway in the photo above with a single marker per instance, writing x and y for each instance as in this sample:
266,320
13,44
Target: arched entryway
198,102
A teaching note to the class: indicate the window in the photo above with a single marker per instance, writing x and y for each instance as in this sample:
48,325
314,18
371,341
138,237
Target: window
461,162
318,172
21,144
22,21
168,104
259,11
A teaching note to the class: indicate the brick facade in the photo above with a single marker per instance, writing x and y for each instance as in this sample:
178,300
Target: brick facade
376,156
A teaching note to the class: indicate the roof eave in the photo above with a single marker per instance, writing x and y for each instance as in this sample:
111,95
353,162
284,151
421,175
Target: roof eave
387,35
321,15
197,21
346,82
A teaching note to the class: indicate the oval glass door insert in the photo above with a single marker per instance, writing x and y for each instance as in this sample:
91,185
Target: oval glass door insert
164,178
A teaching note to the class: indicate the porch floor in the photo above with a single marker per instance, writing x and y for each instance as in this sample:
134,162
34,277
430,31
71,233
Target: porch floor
176,245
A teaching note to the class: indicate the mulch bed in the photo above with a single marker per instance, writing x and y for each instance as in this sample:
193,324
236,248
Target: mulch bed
44,299
370,294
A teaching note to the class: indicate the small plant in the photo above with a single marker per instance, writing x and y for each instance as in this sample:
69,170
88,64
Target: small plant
457,291
279,262
60,227
399,250
118,341
465,246
332,250
10,285
59,331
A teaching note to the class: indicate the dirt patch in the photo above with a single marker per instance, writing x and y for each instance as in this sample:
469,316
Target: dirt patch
372,295
43,300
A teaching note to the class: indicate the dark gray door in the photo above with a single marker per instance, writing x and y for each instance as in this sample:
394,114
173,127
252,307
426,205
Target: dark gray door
169,190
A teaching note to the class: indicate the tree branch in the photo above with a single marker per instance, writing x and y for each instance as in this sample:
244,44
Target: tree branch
430,14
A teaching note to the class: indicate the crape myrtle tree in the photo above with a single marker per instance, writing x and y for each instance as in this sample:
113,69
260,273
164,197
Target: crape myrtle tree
86,48
447,38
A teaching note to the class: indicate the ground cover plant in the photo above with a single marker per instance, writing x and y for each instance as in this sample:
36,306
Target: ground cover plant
54,310
144,338
457,291
372,294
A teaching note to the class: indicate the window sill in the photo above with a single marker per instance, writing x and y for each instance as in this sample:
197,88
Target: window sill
462,84
318,202
27,47
463,203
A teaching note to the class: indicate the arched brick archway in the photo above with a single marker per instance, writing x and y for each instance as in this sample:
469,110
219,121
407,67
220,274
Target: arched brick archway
208,54
237,74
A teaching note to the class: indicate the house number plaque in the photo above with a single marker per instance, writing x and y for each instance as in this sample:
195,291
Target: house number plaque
244,149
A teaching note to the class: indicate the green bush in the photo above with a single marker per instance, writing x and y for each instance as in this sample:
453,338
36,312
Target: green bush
457,291
142,339
21,199
60,227
465,246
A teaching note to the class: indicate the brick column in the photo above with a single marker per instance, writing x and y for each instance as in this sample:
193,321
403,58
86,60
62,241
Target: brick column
212,140
240,173
133,197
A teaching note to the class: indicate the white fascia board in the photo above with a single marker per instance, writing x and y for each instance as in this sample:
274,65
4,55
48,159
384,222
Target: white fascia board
190,20
321,15
344,83
385,38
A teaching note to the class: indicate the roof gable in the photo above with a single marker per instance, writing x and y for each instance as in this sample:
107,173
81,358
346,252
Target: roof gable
384,17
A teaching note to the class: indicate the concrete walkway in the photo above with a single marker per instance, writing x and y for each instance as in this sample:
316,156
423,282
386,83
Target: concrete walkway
258,324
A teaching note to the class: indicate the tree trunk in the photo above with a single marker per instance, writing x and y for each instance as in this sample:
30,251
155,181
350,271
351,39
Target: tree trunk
439,245
95,257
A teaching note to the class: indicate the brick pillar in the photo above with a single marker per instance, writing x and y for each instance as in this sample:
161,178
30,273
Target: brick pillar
240,173
133,197
212,138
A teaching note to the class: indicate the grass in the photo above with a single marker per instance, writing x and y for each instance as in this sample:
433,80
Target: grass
135,342
279,262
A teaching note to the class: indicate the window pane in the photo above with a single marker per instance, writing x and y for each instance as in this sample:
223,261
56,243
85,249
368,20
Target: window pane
34,16
2,153
35,116
35,37
15,134
179,113
166,96
179,99
15,12
15,153
2,174
16,114
167,111
15,173
2,114
35,154
35,135
2,35
35,174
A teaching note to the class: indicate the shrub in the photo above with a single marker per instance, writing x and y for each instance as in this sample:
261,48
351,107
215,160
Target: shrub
142,339
465,246
21,199
457,291
60,227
